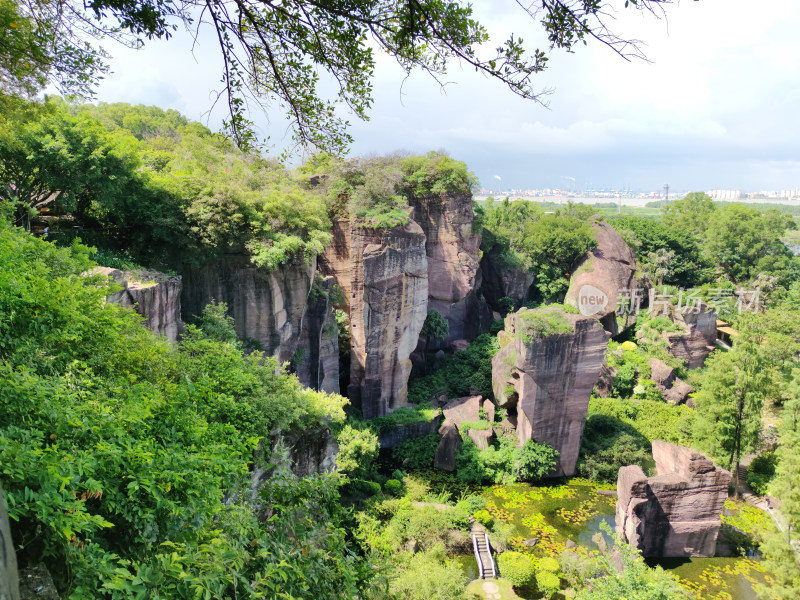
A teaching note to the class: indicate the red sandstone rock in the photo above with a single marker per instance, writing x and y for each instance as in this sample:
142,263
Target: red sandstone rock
384,276
449,444
502,281
452,250
481,437
463,409
611,269
550,380
672,389
459,345
676,513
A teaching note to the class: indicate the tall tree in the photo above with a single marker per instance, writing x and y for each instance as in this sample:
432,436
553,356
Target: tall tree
729,404
689,214
272,52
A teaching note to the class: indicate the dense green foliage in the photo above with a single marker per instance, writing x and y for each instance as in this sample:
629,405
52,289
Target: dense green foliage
504,461
647,236
518,568
117,450
610,443
761,472
470,368
547,244
417,453
740,240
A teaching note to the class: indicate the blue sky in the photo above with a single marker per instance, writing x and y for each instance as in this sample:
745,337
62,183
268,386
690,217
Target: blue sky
717,106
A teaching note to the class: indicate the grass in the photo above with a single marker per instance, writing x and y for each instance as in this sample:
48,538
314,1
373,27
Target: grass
475,590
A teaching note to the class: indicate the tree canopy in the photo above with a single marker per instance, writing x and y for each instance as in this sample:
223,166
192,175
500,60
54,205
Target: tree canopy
274,53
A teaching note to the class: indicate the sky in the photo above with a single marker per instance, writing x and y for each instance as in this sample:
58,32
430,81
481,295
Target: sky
717,106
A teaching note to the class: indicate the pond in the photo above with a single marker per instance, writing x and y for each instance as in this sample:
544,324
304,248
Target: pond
575,510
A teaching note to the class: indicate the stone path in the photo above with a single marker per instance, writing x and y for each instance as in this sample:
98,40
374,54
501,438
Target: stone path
491,590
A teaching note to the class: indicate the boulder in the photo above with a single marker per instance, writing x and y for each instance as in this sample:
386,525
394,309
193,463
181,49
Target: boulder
672,389
266,305
463,409
453,251
605,279
154,295
481,438
677,512
458,345
36,583
547,370
449,444
384,277
488,408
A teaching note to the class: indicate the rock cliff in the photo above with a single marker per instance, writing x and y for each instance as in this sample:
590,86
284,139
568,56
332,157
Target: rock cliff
384,277
266,305
317,353
452,249
502,281
605,279
154,295
547,365
677,512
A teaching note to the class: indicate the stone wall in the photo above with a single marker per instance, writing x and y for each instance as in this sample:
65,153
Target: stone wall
676,513
549,380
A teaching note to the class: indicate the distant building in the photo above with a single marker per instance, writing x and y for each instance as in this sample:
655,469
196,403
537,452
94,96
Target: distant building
727,195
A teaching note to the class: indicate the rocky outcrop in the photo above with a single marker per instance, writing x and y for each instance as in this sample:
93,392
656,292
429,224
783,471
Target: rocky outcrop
698,338
463,409
677,512
445,458
606,279
453,251
672,389
384,277
503,281
154,295
317,352
9,578
547,365
266,305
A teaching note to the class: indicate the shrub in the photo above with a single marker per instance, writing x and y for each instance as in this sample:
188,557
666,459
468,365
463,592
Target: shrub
362,487
761,472
393,487
517,568
548,583
535,461
484,517
539,323
358,449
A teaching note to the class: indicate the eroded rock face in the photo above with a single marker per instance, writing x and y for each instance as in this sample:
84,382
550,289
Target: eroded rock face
676,513
384,276
266,305
154,295
463,409
452,249
501,281
610,271
318,347
699,338
549,378
449,444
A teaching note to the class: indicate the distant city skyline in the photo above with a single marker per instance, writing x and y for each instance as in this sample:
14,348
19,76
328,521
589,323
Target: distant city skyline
717,108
